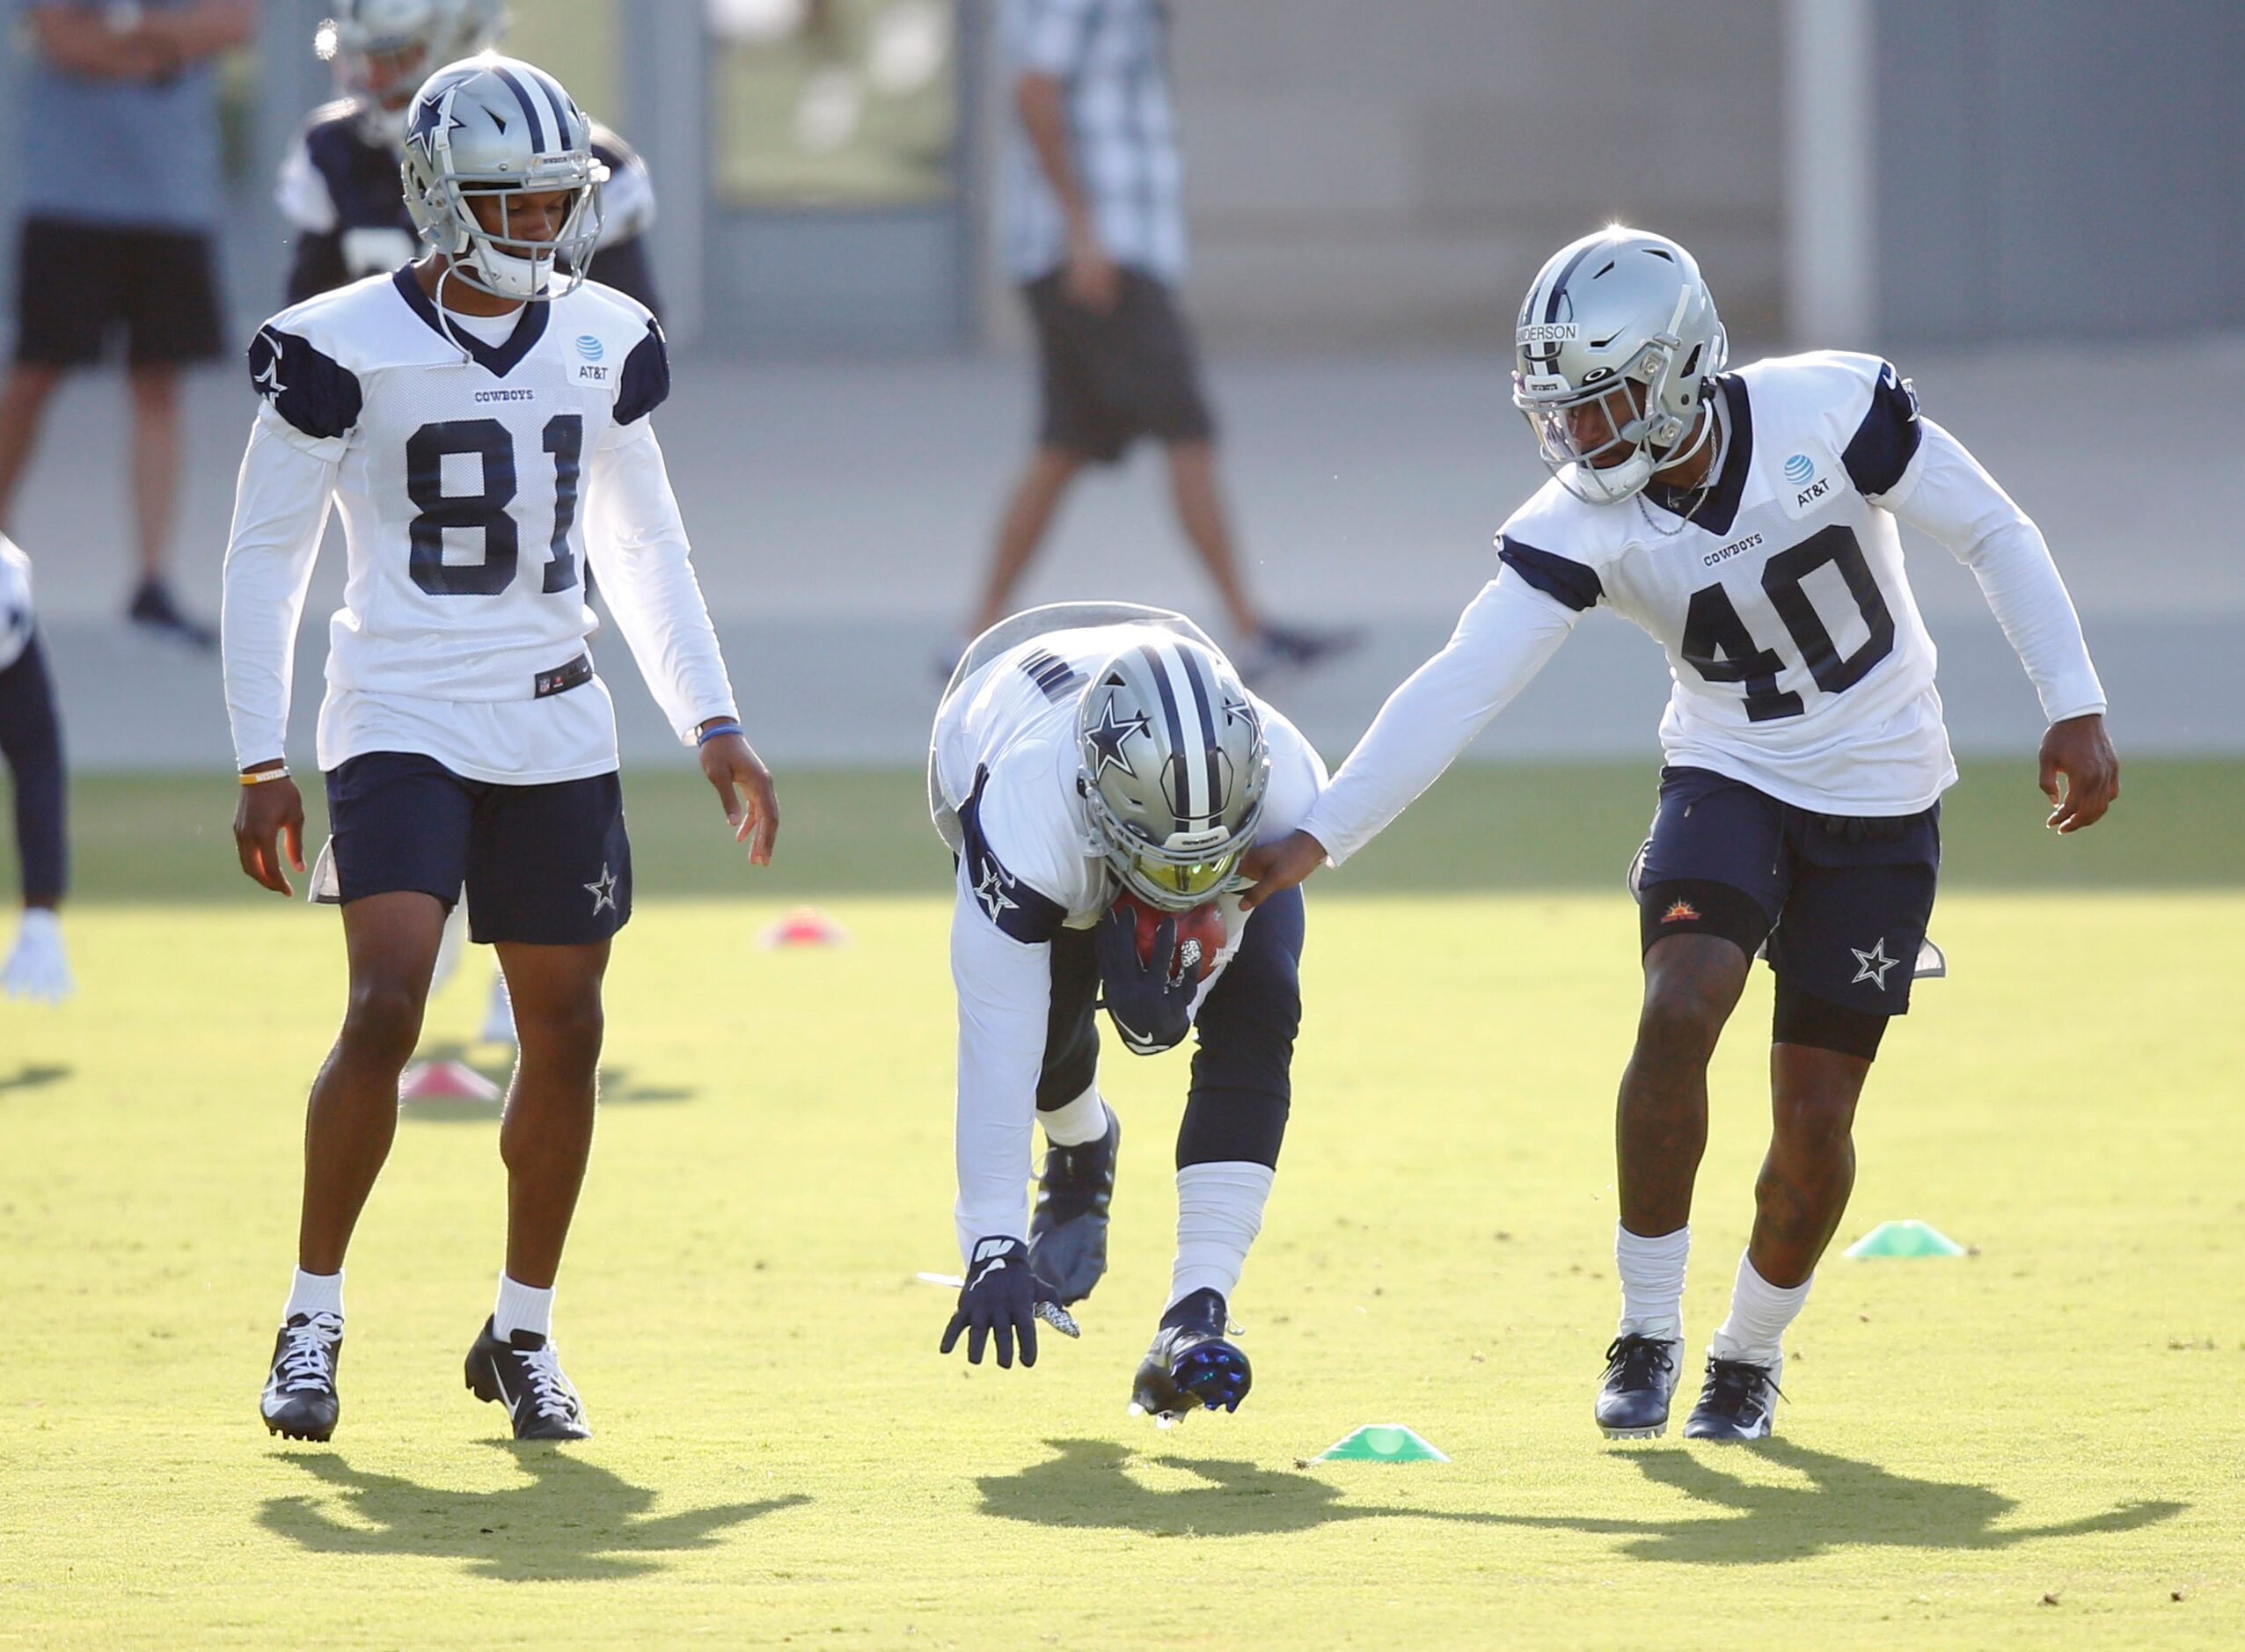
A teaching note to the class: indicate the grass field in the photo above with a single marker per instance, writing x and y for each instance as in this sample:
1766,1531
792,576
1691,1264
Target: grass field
2035,1443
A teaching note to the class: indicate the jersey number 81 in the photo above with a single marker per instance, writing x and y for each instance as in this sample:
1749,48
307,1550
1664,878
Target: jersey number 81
491,443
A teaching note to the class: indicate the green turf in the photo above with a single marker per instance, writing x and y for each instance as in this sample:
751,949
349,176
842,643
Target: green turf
1562,825
782,1455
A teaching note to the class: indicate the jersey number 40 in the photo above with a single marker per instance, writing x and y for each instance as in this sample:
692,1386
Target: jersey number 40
426,450
1720,648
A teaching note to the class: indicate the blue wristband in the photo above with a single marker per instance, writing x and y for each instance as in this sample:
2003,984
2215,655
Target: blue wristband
710,733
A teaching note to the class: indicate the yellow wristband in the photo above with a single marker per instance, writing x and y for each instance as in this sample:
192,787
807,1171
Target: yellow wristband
259,776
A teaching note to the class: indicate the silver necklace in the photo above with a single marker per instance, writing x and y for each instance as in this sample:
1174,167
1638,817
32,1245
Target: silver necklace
1699,495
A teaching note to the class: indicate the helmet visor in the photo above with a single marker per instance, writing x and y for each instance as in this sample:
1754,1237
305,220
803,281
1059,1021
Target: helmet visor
1597,427
1177,885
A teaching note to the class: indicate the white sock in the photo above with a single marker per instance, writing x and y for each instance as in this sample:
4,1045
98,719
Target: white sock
1076,1123
1652,1281
1760,1313
315,1293
522,1308
1219,1212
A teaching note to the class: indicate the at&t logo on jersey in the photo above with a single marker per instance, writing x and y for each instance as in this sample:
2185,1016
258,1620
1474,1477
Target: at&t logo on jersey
1808,487
591,347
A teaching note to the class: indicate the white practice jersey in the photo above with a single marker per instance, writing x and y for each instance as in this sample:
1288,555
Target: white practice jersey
472,476
1800,662
1005,768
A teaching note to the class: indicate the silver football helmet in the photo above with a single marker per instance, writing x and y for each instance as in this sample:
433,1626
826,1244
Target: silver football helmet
384,49
1173,767
494,128
1615,349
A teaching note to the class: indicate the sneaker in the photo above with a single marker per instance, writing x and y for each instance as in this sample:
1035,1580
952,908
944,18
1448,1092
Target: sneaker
524,1374
1068,1233
1275,649
299,1402
1192,1364
1640,1374
154,615
1739,1401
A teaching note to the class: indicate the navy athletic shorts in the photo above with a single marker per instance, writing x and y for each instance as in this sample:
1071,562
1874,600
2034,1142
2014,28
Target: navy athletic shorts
1842,899
545,866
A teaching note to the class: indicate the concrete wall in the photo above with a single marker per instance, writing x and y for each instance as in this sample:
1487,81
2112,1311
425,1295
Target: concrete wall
2048,167
1380,172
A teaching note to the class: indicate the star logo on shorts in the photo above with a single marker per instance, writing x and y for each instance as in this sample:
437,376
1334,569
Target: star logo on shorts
991,891
1107,741
1873,965
603,892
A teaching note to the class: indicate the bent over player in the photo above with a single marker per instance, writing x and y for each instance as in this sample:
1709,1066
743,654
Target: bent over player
463,414
1747,522
1099,772
339,183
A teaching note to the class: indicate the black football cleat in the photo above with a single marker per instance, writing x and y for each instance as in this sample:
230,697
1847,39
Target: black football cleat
1640,1381
1068,1230
1192,1364
522,1374
299,1402
1739,1401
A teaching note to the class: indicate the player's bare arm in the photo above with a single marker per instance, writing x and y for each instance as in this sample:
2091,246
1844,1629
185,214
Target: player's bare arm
743,786
2079,753
268,821
1278,866
1093,280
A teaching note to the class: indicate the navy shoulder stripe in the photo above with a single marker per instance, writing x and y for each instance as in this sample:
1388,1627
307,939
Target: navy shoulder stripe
647,377
1887,440
1027,915
1576,586
308,387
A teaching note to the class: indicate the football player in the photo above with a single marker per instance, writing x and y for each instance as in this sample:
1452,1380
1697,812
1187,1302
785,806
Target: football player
339,186
1096,766
1746,521
38,966
480,417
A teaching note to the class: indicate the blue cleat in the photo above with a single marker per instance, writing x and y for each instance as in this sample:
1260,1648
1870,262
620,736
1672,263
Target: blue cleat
1192,1365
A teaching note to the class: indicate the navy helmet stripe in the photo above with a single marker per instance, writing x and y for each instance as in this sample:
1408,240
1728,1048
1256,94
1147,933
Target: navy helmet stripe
1559,281
560,99
1204,698
530,110
1169,714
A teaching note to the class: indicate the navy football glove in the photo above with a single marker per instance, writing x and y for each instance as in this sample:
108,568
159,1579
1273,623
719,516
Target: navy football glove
1149,1002
1002,1300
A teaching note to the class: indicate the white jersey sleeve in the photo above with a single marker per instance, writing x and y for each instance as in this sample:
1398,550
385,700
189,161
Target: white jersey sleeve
302,193
637,543
1946,494
281,497
1505,636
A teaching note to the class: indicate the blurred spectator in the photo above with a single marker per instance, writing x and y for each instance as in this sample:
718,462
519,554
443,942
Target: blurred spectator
118,154
1094,231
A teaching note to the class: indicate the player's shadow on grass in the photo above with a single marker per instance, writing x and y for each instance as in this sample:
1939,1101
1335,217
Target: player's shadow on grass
1086,1486
572,1519
1844,1503
32,1077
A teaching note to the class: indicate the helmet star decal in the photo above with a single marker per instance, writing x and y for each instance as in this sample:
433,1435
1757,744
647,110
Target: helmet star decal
1107,738
428,114
1238,711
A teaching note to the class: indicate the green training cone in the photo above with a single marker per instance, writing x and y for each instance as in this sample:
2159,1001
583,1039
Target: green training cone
1906,1239
1382,1442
